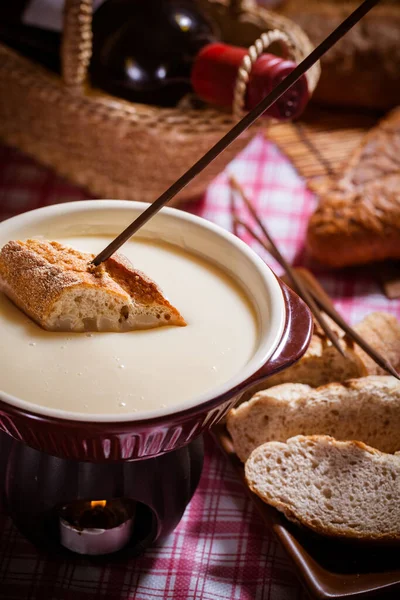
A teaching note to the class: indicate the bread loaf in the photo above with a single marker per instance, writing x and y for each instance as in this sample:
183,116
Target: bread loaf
59,289
340,489
363,68
365,409
358,217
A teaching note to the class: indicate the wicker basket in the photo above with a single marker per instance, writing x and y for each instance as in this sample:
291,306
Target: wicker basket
114,148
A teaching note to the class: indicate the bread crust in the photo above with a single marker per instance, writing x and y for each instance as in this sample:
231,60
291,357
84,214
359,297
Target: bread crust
322,364
34,274
382,331
358,217
367,409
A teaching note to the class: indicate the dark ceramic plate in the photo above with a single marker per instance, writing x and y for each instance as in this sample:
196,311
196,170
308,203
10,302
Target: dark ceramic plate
327,568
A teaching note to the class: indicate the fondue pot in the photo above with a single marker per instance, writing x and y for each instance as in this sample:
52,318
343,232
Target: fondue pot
96,484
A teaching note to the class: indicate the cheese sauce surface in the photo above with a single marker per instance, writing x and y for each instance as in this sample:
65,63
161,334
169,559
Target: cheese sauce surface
117,373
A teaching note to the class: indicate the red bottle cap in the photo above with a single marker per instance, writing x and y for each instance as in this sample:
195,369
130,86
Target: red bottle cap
214,75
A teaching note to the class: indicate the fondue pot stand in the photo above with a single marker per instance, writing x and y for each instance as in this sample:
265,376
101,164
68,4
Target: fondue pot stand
39,489
104,484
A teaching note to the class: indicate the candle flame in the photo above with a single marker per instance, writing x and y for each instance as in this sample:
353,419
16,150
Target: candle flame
98,503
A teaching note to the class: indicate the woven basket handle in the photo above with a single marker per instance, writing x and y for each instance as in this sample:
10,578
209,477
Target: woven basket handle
76,47
253,54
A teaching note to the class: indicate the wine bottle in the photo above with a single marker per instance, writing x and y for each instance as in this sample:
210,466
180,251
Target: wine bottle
152,52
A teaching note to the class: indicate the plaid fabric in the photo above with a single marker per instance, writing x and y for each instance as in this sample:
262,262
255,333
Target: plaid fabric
221,550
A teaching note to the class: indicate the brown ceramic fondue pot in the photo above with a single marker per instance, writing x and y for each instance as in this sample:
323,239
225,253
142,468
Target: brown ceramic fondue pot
61,456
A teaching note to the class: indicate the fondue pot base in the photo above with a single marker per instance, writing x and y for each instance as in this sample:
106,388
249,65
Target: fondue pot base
39,490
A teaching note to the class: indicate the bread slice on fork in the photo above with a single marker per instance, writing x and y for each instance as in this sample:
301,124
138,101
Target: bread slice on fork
58,288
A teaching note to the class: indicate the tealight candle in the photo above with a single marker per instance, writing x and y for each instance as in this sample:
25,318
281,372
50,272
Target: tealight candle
96,527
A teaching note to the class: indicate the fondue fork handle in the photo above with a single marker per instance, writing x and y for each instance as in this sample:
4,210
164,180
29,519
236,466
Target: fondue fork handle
273,249
324,303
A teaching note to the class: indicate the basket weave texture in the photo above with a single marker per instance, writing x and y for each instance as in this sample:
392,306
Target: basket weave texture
114,148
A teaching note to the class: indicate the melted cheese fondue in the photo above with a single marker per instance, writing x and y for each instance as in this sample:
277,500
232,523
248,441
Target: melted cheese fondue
104,373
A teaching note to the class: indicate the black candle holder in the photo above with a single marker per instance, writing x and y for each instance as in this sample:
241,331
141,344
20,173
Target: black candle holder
153,492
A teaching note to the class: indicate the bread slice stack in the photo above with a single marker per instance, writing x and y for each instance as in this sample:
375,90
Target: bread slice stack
58,288
322,363
365,409
328,457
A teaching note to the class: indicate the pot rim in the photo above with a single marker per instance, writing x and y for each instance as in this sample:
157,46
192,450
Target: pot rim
266,345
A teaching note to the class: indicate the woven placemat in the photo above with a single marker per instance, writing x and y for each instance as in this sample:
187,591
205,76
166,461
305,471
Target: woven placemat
321,141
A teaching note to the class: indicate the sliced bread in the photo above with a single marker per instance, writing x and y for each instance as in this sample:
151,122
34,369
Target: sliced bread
59,289
322,363
365,409
340,489
382,331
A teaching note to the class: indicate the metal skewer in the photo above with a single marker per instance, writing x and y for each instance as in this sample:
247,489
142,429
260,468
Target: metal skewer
352,333
322,302
236,130
297,283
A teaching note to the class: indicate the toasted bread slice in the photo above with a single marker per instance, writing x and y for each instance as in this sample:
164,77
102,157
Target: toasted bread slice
365,409
59,288
340,489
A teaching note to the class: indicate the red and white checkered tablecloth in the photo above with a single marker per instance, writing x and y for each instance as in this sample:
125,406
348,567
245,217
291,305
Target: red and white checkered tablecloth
221,550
